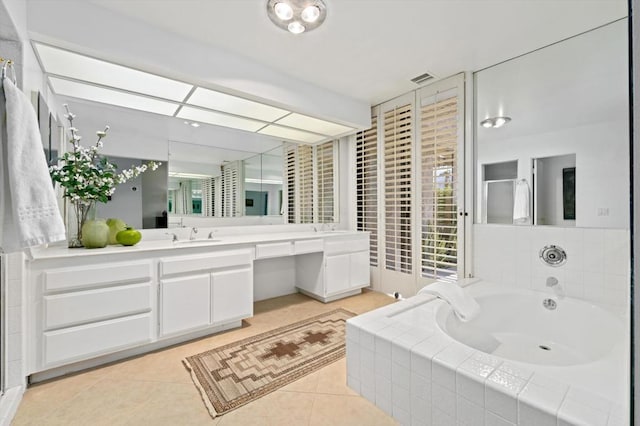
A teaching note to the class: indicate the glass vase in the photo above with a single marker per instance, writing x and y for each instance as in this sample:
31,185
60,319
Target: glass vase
80,212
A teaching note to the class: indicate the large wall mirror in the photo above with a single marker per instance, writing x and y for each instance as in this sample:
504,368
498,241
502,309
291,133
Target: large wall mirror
562,159
207,171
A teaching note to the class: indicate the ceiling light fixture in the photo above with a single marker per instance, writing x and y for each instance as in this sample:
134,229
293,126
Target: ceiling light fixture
494,122
297,16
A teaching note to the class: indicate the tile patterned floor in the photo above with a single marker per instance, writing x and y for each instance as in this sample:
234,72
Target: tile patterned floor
155,389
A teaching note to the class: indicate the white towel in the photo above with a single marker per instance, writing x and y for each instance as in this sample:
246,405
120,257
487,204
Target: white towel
28,209
521,202
464,306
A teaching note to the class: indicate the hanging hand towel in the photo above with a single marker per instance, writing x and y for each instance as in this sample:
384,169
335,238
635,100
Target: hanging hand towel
521,202
28,209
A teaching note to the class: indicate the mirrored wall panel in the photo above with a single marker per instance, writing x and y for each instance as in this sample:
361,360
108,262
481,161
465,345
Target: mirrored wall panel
552,141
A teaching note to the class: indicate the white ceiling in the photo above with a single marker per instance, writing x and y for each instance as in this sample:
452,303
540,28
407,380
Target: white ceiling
370,49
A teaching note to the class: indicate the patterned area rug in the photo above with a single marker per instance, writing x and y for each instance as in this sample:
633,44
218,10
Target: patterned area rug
238,373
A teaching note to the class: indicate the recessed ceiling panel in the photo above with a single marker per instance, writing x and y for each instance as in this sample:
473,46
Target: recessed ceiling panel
291,134
68,64
111,97
219,119
315,125
232,104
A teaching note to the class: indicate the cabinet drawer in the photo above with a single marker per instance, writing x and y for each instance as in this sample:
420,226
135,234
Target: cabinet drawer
96,275
346,246
63,310
181,264
273,250
308,246
85,341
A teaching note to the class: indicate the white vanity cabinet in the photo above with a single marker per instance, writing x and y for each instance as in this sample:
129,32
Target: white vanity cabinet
341,270
204,290
89,310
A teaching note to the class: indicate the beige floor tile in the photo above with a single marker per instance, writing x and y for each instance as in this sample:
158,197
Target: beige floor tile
276,408
341,410
156,389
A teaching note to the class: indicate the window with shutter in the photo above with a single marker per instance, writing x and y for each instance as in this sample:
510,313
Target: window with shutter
439,118
230,189
367,186
305,183
397,139
291,183
325,182
208,197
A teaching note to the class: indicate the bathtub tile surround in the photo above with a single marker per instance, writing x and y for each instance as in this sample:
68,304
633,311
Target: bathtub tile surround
597,267
436,380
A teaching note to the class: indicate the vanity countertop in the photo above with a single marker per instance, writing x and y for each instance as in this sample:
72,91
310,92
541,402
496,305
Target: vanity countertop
55,251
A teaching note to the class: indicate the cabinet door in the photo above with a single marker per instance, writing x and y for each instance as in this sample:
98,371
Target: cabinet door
359,269
185,303
336,274
231,295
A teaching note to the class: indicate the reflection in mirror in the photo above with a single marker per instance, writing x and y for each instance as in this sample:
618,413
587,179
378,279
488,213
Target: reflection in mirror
140,202
209,181
555,190
566,100
263,184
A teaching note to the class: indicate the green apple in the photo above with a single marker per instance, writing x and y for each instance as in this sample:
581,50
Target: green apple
115,226
129,237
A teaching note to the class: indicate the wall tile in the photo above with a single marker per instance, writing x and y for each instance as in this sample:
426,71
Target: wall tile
469,413
491,419
382,365
383,394
572,413
443,399
440,418
594,250
445,363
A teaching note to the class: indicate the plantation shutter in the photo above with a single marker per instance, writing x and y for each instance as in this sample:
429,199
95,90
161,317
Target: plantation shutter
439,116
397,139
208,197
290,167
325,182
300,180
230,189
367,186
305,183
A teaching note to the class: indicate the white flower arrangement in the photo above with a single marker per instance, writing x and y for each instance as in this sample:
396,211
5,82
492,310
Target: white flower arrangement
87,176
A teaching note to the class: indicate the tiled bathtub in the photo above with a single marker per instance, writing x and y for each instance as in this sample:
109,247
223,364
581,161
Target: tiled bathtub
400,360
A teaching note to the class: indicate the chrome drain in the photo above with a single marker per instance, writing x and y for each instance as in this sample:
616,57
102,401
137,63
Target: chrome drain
544,347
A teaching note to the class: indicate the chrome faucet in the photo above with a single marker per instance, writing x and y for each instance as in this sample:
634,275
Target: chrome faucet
552,282
211,234
174,236
194,230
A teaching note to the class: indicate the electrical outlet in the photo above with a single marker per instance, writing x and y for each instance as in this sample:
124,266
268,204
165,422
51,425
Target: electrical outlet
603,211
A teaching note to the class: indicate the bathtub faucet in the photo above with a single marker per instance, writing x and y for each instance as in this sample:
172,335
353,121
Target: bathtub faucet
552,282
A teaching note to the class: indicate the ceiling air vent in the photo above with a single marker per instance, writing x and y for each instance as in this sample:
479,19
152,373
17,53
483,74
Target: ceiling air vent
422,78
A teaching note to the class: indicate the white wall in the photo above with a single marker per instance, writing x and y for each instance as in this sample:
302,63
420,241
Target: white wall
571,97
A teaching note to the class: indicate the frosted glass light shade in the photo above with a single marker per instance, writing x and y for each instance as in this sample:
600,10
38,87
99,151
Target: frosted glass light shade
219,119
291,134
111,97
314,124
73,65
232,104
